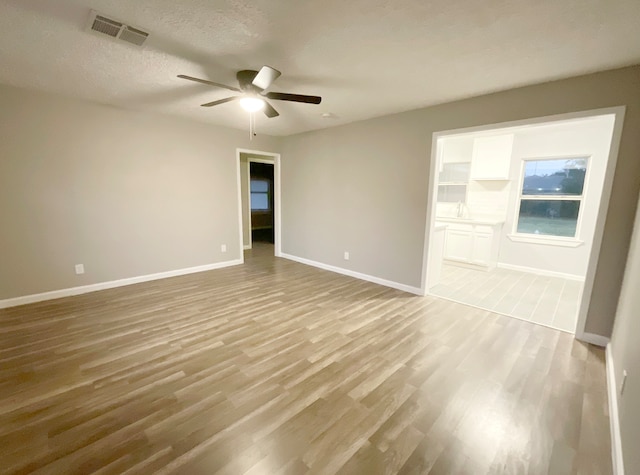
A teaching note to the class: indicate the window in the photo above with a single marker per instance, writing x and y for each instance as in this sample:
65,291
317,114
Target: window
452,182
551,197
260,194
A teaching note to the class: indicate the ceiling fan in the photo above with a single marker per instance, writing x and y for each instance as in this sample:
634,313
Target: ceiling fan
253,86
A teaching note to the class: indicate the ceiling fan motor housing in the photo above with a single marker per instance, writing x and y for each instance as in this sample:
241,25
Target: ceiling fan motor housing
245,79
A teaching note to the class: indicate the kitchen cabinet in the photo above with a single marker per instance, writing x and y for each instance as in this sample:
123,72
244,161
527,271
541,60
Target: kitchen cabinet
491,158
470,242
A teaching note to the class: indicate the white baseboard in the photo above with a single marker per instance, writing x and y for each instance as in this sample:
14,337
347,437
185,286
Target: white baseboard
56,294
614,420
594,339
246,246
357,275
548,273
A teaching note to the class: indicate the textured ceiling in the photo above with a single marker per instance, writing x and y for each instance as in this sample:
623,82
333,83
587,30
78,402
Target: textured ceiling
365,57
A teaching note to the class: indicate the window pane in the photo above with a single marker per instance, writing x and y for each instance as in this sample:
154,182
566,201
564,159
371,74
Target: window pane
452,193
260,185
554,177
553,218
259,201
455,172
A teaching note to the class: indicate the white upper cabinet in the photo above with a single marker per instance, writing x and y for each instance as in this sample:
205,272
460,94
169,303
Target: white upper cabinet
491,157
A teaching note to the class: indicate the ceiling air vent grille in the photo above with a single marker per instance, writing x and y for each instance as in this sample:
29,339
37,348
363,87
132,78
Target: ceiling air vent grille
106,26
115,29
133,35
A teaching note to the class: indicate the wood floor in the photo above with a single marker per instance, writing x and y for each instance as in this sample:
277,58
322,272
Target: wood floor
274,367
550,301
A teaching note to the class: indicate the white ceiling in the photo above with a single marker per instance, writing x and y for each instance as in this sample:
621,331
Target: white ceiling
366,58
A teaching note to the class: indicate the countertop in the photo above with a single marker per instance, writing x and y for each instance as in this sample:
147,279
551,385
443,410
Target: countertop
485,221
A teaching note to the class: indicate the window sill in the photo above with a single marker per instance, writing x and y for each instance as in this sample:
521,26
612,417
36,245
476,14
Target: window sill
546,240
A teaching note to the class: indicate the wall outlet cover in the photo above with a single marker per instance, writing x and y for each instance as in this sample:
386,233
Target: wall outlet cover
223,248
79,269
346,255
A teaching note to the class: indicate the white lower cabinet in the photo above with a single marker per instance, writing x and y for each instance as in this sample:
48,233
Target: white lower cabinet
457,245
481,249
476,244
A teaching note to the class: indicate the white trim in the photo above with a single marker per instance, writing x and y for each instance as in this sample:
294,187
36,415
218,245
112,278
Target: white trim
614,418
56,294
594,339
277,219
247,246
545,240
619,113
596,243
248,197
357,275
533,270
239,185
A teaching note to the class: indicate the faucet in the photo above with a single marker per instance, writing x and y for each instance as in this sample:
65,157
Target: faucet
461,210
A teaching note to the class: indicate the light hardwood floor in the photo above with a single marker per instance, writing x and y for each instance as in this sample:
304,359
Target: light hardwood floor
275,367
550,301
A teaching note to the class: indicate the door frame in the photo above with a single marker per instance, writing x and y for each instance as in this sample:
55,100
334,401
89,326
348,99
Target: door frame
585,299
259,156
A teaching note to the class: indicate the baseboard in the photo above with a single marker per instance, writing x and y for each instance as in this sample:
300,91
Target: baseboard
548,273
56,294
246,246
357,275
614,420
594,339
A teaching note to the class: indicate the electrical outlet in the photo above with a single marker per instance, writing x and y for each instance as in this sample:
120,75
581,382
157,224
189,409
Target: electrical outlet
346,255
623,382
79,269
223,248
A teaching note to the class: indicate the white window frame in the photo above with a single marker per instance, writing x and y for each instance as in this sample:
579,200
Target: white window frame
574,241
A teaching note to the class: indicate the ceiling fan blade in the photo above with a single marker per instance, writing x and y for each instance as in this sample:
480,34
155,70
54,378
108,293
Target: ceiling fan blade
221,101
283,96
209,83
269,111
265,77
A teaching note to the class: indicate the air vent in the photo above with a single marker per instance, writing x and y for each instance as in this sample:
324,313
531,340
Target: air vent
115,29
106,26
132,35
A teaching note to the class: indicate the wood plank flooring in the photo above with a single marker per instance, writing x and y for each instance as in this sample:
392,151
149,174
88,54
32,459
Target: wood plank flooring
274,367
550,301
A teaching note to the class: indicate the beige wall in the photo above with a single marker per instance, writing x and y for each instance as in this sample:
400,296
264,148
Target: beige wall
625,350
362,187
122,192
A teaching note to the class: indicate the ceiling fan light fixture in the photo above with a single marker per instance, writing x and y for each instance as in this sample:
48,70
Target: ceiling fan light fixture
252,104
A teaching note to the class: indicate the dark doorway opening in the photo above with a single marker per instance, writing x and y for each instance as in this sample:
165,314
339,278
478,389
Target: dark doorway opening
262,201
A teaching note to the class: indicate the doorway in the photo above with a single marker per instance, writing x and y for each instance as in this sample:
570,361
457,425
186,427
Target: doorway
517,212
259,185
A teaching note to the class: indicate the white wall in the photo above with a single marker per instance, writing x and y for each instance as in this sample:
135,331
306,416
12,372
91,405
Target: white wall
590,138
125,193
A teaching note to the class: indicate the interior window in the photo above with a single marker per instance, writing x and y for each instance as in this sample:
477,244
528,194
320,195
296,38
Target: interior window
260,191
551,196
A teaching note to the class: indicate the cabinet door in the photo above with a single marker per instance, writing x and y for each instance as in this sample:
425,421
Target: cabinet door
481,249
458,245
491,157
